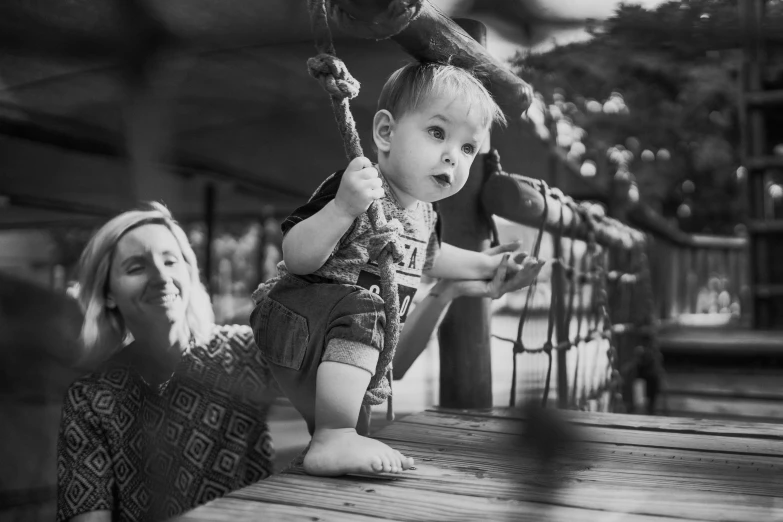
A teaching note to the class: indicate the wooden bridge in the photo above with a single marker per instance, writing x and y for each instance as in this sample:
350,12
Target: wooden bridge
479,465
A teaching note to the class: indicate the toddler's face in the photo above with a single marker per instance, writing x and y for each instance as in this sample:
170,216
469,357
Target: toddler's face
432,149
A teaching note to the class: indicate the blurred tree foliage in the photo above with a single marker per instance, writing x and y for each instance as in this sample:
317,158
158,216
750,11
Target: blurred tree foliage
674,70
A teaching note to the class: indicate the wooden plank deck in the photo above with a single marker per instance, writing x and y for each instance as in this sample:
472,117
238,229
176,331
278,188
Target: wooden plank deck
722,373
713,341
473,465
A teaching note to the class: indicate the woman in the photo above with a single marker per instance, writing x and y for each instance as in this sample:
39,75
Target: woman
175,413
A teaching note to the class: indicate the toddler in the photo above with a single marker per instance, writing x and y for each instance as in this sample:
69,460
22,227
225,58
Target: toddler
321,324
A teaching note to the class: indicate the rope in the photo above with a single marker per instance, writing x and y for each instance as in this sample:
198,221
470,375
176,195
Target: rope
519,346
492,167
335,79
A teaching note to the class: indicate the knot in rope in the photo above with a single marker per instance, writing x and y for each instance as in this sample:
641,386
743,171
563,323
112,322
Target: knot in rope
387,236
397,16
379,393
333,76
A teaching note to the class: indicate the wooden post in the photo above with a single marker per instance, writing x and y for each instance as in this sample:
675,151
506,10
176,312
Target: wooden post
558,280
464,335
559,290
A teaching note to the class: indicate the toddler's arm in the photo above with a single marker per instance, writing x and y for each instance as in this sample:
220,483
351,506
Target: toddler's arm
461,264
458,263
308,245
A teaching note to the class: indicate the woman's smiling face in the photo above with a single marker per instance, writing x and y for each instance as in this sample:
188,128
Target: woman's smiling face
149,280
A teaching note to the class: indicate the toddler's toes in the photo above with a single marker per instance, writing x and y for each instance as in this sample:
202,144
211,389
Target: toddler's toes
377,464
396,462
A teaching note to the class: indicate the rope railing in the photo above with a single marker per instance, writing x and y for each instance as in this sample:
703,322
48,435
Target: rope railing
600,331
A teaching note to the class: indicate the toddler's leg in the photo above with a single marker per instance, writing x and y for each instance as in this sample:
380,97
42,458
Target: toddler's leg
336,448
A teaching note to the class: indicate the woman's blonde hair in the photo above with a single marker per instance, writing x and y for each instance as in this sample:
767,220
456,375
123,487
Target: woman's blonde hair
103,328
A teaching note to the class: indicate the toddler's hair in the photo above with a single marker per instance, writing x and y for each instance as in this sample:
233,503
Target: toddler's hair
410,85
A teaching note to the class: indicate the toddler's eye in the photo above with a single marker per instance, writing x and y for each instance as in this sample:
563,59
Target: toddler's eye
135,269
437,133
468,149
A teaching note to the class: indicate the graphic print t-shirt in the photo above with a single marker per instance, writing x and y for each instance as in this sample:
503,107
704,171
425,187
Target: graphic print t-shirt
350,262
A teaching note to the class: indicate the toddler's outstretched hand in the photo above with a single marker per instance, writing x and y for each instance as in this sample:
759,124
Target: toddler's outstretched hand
511,274
514,271
359,187
521,268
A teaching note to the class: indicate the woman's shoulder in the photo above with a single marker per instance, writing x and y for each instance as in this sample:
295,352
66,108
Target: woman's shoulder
241,333
232,347
237,338
100,389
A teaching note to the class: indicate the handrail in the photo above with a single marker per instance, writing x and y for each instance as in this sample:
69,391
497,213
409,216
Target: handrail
645,218
699,278
520,199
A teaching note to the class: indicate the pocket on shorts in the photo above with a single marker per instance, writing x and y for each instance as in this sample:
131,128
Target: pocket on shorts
283,335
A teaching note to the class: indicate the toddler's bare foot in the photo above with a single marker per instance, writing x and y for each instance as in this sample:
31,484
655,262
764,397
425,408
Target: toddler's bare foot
341,451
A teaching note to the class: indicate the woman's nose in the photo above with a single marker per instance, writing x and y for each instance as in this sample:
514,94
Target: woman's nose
159,273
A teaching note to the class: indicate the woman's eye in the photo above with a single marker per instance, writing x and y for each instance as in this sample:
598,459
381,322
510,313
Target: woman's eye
468,149
172,262
135,269
437,133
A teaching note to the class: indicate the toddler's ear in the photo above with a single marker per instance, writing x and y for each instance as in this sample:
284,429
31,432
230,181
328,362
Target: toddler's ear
382,128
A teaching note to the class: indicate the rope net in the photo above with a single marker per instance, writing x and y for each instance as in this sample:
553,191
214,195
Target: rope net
584,332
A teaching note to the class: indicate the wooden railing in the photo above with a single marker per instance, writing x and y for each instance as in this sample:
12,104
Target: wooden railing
699,280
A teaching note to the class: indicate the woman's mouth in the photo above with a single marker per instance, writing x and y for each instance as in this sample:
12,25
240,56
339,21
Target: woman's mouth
443,180
166,298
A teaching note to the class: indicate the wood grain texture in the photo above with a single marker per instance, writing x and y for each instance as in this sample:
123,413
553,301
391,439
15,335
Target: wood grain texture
240,510
482,430
648,496
644,422
389,499
610,468
473,466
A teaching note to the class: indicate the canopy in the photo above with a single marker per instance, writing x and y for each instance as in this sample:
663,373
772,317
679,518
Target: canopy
231,93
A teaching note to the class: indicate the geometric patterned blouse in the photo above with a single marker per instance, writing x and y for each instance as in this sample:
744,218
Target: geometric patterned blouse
145,455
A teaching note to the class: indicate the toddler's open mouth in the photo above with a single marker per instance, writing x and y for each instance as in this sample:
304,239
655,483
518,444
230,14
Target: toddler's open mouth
444,180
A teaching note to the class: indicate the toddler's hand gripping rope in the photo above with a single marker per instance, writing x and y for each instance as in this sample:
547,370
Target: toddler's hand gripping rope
386,247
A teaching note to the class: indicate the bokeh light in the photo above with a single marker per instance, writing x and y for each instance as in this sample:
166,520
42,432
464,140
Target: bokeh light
588,169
